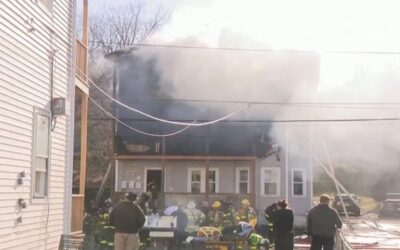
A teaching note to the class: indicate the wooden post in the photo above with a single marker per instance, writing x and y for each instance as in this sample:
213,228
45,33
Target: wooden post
207,179
253,183
84,123
85,16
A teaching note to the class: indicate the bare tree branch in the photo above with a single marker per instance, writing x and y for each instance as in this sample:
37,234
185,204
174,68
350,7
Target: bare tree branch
118,27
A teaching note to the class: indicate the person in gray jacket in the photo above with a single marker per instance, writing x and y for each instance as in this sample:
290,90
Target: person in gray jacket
322,223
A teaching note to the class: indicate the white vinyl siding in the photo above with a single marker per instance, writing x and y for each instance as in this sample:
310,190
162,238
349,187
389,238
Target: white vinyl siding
25,84
242,180
270,181
298,183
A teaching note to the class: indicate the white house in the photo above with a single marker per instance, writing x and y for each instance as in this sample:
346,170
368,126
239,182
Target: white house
37,94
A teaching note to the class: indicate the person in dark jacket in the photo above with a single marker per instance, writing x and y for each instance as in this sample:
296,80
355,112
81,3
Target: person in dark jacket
282,219
322,223
127,218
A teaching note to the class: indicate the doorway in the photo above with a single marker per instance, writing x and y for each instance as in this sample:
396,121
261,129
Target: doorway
154,177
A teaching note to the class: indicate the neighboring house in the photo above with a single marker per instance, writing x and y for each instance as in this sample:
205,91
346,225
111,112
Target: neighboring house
37,97
230,159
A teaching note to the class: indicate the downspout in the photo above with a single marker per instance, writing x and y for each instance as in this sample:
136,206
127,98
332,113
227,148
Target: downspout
69,171
311,166
287,165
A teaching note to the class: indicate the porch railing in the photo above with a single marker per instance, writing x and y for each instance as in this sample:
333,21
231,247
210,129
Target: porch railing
183,198
81,61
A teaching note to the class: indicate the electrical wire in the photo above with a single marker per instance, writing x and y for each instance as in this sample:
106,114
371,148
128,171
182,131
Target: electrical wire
292,51
306,104
280,120
135,129
247,106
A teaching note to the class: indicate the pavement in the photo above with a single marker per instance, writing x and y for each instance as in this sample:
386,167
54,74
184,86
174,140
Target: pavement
372,232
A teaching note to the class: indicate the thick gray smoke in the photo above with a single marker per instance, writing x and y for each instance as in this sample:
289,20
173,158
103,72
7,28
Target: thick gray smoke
292,77
372,147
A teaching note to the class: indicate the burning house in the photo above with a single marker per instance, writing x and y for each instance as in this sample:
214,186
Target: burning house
245,156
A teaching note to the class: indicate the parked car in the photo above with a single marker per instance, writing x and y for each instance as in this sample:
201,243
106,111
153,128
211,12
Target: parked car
391,205
351,207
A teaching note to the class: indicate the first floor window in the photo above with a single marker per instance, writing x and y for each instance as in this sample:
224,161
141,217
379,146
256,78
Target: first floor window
242,180
41,153
298,178
270,181
213,176
196,180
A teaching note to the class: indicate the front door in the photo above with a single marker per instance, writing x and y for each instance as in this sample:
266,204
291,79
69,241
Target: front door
154,180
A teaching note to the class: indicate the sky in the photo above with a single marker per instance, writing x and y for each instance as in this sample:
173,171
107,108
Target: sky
317,25
304,25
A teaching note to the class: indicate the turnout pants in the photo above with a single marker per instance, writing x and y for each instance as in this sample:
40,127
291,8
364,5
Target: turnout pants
123,241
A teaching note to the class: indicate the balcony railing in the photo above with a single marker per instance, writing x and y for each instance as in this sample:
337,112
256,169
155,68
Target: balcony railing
81,61
183,198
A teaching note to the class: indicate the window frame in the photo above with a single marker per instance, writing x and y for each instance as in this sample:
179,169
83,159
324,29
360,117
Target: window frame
216,180
238,181
303,176
38,196
202,179
278,181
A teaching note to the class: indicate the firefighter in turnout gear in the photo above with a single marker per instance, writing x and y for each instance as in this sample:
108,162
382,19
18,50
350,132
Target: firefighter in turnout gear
268,216
246,213
104,232
215,216
195,217
258,242
229,213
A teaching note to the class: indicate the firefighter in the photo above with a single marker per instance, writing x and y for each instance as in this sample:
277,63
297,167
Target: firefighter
246,213
229,213
268,216
146,203
195,217
104,232
215,215
256,241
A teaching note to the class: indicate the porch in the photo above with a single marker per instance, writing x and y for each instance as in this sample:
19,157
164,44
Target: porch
181,179
183,198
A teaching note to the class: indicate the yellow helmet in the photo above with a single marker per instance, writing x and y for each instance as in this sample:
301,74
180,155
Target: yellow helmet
216,204
246,202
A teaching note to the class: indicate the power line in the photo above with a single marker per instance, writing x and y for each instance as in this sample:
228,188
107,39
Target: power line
135,129
165,120
275,120
338,105
292,51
